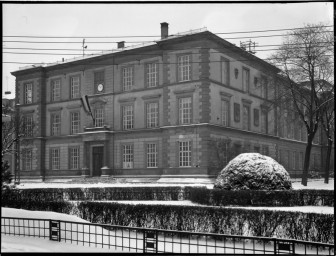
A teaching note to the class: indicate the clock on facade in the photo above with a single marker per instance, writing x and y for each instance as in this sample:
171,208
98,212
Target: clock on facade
100,87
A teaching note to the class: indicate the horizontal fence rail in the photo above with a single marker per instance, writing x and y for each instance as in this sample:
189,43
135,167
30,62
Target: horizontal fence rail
144,240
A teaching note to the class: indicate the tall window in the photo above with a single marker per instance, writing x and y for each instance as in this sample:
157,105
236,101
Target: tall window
128,117
127,74
152,110
74,85
301,161
128,156
225,113
151,155
225,71
246,117
225,151
99,117
265,150
185,110
256,116
264,121
184,68
99,78
74,157
236,109
55,158
27,159
246,79
55,90
74,122
151,74
263,87
55,124
185,153
28,126
28,93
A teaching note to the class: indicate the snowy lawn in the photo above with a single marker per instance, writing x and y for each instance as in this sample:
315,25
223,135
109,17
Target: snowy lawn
131,237
312,184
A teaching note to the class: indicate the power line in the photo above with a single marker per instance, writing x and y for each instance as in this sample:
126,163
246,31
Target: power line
68,49
136,36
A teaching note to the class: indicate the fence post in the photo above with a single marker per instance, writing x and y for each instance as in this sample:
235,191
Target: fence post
275,246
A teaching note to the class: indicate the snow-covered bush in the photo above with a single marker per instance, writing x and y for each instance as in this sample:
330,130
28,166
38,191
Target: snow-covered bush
255,172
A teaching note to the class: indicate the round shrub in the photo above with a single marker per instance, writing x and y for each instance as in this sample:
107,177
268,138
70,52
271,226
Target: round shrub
255,172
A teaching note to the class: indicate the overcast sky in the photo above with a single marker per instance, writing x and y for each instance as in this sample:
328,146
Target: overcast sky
111,20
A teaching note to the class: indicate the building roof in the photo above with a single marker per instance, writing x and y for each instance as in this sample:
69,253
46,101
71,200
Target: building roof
171,39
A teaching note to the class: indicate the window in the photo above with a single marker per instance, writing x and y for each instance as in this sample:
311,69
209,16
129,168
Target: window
225,151
185,110
127,115
127,74
55,90
127,156
28,93
264,122
184,68
301,161
74,122
74,157
151,155
28,126
55,124
256,117
151,74
236,108
264,87
99,117
74,87
185,153
225,113
152,111
55,159
257,148
99,78
246,117
225,71
264,150
246,79
26,159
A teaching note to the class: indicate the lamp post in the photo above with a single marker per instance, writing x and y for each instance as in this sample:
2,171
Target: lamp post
17,145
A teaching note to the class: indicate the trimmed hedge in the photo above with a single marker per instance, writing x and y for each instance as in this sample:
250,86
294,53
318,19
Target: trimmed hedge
291,225
99,193
221,197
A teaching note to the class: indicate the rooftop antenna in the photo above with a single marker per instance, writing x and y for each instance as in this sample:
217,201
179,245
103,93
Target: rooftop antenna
248,46
7,92
84,47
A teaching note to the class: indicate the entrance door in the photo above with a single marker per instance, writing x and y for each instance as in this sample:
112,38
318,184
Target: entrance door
97,160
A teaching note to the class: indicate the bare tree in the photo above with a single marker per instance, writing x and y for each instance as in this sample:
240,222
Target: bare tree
304,56
16,130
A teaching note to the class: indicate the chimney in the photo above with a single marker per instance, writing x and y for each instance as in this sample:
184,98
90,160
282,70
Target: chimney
121,44
164,30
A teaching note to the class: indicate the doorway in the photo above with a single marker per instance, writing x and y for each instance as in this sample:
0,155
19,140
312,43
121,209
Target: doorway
97,160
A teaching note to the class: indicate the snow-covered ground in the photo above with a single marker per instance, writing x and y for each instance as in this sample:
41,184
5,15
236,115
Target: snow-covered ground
312,184
10,243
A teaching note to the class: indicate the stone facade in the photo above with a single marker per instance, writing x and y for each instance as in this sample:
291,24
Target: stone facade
214,71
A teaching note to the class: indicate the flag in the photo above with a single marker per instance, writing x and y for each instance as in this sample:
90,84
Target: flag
86,105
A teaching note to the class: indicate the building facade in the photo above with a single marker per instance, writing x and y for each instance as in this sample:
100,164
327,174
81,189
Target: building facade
180,107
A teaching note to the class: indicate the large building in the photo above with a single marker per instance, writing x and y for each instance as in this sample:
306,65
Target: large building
182,106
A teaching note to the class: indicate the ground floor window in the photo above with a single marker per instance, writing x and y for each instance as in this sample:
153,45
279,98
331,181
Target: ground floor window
128,156
55,159
27,160
74,158
151,155
185,153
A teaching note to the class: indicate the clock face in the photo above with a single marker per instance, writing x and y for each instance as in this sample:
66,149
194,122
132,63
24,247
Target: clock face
100,87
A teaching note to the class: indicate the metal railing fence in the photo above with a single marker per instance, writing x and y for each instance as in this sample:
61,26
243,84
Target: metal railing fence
144,240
